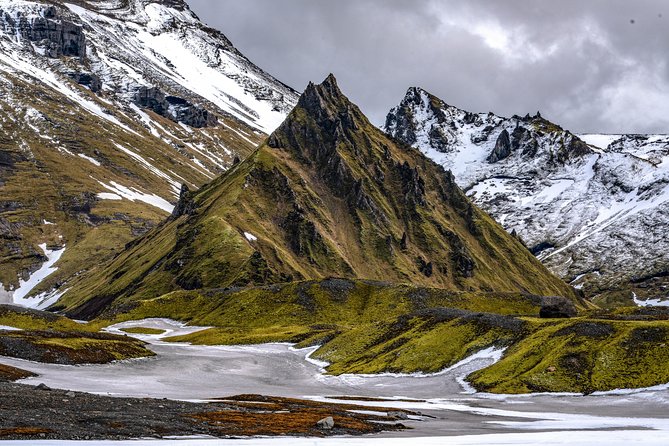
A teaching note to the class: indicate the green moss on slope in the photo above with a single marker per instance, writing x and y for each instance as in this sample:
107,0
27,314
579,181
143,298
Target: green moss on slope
328,194
582,356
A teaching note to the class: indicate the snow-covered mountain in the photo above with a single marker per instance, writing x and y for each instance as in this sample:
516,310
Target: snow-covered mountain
594,208
106,108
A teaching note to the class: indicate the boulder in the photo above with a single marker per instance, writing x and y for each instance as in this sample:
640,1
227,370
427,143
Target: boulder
557,307
326,423
398,415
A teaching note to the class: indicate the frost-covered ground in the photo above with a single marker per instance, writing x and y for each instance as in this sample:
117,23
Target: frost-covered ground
580,438
200,373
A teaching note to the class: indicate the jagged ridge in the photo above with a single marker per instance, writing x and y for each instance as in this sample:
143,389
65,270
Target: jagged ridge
328,194
593,214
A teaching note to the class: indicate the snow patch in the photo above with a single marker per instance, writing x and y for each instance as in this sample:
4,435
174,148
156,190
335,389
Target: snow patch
108,196
599,140
43,300
649,302
90,159
8,328
556,438
133,194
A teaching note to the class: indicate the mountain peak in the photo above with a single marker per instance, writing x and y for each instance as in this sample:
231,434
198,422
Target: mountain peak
323,99
328,195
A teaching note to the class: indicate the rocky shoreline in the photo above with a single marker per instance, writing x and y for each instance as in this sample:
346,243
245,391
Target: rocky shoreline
29,412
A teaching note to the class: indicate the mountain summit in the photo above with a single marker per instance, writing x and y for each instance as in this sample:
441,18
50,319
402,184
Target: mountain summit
327,194
595,214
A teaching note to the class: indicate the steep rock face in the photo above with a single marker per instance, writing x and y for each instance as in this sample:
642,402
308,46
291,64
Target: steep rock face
328,194
54,34
175,108
87,162
592,213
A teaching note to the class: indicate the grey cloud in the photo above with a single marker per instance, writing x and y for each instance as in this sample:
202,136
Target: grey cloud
581,63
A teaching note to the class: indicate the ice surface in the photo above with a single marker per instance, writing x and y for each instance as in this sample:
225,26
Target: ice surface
580,438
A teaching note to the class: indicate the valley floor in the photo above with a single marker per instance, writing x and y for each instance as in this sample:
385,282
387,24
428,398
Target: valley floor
199,373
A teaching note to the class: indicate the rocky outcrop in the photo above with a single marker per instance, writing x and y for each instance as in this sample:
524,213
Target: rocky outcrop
502,148
557,307
173,107
90,80
55,35
186,204
413,185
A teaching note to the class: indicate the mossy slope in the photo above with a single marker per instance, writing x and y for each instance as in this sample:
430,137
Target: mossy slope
327,194
371,327
582,356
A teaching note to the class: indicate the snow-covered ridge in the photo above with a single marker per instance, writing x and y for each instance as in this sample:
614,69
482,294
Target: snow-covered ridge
594,209
125,100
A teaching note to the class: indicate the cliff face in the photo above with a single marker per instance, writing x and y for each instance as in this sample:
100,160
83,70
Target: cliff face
52,33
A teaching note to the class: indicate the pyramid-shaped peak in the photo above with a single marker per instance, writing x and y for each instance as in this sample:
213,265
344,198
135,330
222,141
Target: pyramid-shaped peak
323,96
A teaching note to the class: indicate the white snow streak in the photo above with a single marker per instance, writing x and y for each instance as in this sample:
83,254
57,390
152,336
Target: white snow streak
43,300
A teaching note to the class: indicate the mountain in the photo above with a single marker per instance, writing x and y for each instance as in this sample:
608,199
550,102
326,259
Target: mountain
327,194
107,108
595,214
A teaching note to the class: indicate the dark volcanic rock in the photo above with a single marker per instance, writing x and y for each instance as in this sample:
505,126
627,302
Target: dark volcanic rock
55,34
195,116
29,414
185,205
173,107
89,80
502,148
557,307
153,99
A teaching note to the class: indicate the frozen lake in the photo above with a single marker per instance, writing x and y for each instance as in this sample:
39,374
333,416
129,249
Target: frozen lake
189,372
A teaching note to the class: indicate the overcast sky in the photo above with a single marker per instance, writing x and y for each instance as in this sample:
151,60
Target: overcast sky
588,65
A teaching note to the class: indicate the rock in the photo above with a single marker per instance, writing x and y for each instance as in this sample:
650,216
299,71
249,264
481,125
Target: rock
398,415
551,369
502,148
173,107
153,99
557,307
413,186
89,80
326,423
56,35
43,386
193,115
70,394
186,204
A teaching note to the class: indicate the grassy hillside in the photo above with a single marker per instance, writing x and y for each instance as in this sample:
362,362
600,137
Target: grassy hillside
56,158
372,327
327,194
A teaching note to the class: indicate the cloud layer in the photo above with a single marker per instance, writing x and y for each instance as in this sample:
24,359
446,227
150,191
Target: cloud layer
591,66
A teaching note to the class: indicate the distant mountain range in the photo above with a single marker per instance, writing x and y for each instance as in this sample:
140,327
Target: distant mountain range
593,208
